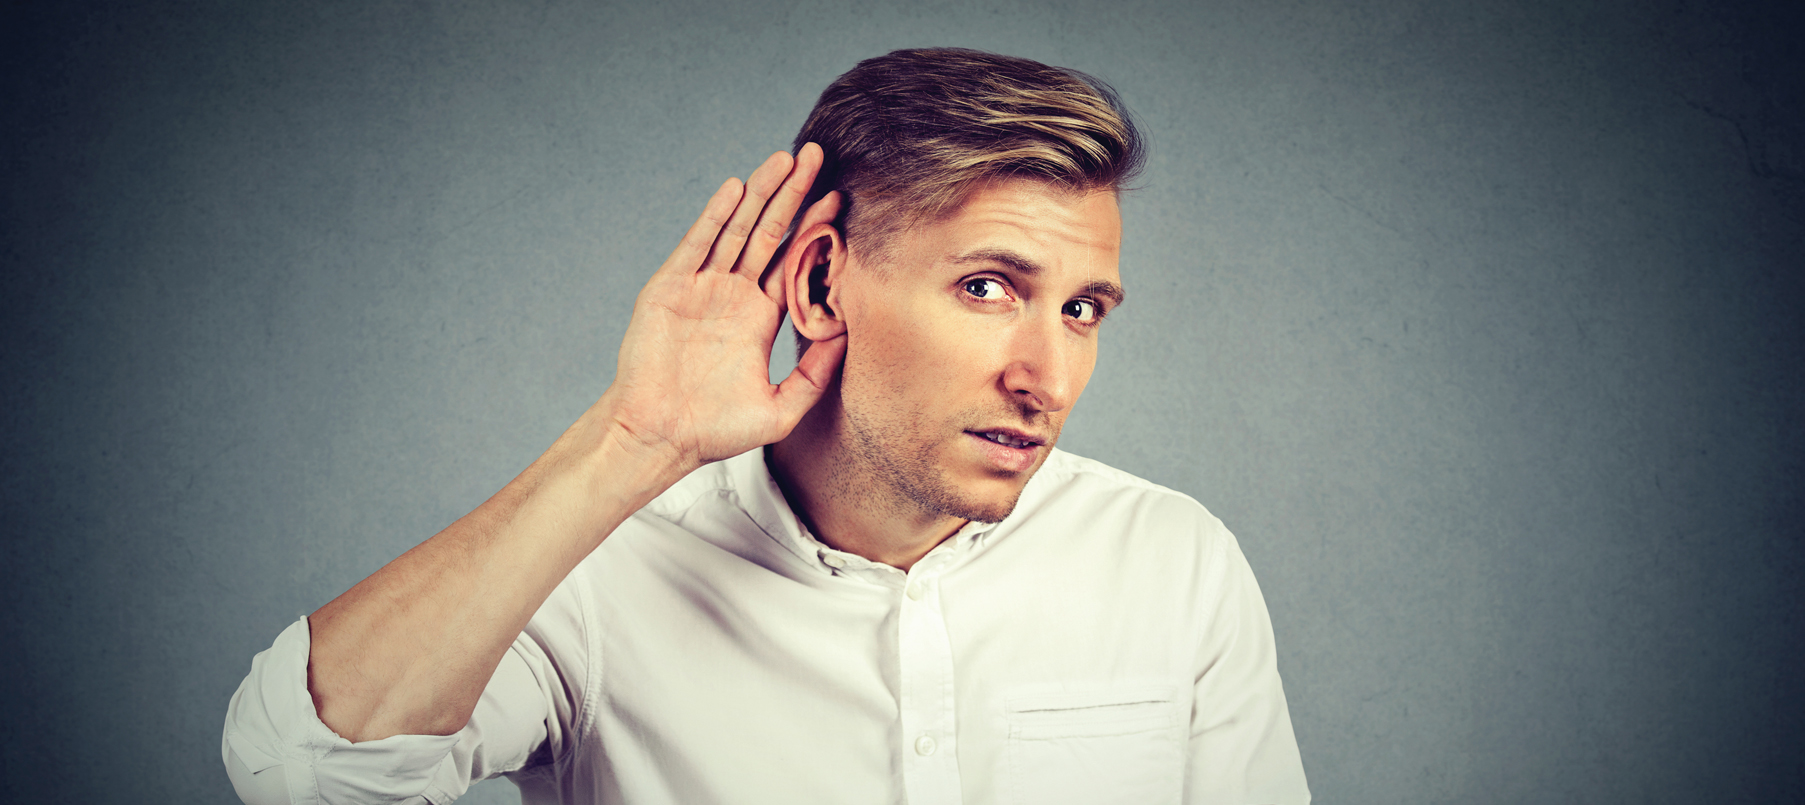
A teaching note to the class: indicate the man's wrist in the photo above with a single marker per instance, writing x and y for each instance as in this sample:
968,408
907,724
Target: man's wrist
614,463
639,466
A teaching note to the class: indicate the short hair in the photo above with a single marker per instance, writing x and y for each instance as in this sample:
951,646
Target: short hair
907,135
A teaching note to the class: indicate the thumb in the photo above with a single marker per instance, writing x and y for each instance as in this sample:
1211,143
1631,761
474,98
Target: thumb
809,380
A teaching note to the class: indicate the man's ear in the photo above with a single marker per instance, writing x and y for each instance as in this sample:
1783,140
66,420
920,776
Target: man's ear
810,269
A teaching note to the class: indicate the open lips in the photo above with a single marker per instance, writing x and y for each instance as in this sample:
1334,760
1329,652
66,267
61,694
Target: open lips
1009,438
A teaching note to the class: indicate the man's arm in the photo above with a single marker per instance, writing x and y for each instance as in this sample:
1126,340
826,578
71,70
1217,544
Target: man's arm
1242,746
409,649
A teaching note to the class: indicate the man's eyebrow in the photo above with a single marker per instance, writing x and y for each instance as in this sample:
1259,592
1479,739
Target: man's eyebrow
1107,290
1022,265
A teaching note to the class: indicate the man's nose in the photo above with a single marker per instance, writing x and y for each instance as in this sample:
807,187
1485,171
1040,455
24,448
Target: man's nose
1040,375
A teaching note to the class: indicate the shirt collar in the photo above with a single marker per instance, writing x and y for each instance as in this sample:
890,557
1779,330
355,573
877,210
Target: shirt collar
762,500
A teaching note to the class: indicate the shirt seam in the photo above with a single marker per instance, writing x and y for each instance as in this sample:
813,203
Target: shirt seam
592,679
316,754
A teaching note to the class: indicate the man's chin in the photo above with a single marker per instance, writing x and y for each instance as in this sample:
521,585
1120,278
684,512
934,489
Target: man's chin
990,512
988,500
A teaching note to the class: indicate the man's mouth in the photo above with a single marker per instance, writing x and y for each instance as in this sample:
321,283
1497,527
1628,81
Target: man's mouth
1010,451
1007,439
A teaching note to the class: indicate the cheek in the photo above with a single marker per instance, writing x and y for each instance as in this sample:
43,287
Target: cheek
886,356
904,357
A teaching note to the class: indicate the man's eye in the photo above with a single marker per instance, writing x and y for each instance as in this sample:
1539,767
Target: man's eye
1084,310
985,288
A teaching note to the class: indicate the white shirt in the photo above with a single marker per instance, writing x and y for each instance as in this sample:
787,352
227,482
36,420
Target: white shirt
1104,643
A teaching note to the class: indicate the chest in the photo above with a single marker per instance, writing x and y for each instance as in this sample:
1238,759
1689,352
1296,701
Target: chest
1004,679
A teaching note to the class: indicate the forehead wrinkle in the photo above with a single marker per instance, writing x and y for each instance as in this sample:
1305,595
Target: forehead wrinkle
1044,225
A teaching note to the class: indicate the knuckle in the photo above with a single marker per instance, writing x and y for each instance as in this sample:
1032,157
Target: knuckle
792,190
772,229
738,230
760,194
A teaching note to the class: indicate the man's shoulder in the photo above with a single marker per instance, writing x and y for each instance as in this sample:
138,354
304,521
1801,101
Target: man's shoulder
1073,472
1063,464
1068,481
731,505
1079,512
709,480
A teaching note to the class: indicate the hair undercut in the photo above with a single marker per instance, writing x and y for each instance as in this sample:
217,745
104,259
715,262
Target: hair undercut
909,134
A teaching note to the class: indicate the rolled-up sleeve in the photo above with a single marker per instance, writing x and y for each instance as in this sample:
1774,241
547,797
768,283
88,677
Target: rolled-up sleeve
278,752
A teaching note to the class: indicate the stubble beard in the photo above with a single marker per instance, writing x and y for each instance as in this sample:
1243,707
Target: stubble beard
912,470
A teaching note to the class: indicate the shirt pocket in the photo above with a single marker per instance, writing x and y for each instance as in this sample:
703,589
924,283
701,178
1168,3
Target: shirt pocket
1118,745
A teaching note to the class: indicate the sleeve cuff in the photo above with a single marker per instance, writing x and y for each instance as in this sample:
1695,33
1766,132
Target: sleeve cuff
272,721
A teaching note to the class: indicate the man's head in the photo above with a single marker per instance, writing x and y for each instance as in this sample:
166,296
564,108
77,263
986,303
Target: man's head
968,256
906,135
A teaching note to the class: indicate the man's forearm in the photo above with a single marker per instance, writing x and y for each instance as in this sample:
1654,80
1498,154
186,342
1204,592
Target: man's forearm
409,649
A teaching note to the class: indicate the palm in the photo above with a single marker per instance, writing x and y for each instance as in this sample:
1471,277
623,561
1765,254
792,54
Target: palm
700,346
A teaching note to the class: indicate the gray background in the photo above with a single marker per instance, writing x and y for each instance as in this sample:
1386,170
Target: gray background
1476,321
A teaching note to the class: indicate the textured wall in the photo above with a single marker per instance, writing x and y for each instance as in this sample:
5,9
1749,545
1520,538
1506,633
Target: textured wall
1477,321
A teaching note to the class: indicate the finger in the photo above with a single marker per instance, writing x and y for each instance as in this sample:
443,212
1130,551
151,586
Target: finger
809,380
773,286
775,220
824,210
693,248
759,187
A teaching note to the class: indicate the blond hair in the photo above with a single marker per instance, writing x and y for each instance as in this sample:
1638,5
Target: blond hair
908,134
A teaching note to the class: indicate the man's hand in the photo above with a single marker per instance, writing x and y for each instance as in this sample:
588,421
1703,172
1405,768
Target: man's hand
693,381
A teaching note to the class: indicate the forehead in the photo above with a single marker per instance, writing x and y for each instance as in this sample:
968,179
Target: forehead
1060,229
1043,213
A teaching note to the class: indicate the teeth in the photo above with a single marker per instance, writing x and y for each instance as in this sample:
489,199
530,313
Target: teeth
1006,439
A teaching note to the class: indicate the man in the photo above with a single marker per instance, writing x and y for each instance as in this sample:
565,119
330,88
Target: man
874,582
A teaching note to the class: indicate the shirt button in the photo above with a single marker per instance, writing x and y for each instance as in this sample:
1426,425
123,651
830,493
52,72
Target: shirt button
915,591
924,746
832,561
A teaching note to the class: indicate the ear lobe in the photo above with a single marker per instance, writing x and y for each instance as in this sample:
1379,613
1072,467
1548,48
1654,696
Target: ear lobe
812,270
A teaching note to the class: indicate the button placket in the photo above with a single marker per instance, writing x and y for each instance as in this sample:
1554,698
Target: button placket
931,772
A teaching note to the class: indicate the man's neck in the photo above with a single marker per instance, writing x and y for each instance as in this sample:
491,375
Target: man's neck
843,502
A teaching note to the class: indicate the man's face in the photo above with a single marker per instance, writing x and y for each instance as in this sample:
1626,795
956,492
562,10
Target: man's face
966,350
